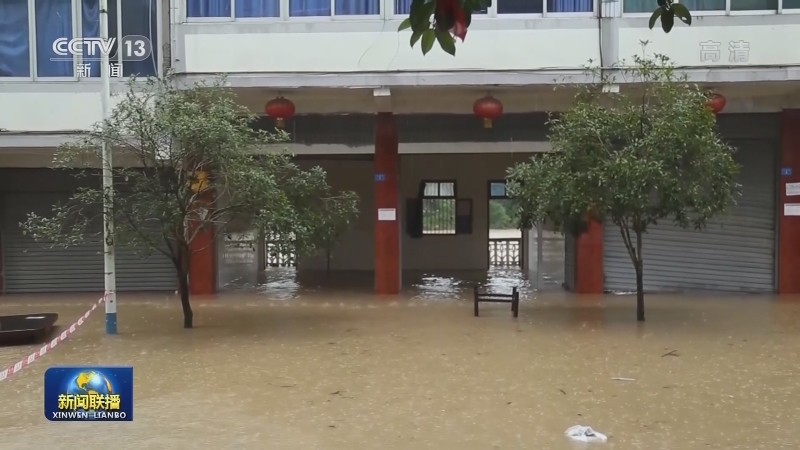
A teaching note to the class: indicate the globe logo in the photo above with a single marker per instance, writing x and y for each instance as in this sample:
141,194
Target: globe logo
90,383
90,395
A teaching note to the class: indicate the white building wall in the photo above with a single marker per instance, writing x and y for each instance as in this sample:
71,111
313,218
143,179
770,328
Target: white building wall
360,54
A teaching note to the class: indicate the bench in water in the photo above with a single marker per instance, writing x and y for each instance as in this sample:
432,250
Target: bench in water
25,328
486,297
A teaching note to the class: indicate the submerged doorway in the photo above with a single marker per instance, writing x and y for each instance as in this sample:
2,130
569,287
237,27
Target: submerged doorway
505,238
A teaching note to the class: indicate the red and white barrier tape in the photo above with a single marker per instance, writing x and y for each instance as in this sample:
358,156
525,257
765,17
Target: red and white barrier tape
50,345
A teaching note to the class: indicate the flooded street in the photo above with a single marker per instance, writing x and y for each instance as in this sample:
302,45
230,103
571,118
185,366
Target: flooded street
342,371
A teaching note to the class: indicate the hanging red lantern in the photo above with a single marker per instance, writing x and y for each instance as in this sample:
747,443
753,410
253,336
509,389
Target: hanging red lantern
716,102
281,109
487,108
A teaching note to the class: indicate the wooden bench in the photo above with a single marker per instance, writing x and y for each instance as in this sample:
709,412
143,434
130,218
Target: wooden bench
512,298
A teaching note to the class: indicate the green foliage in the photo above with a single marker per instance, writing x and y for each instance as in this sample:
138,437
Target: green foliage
438,215
190,161
667,11
502,214
443,20
637,158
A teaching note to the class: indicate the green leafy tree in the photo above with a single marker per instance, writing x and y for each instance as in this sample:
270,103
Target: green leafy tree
192,162
502,215
442,21
328,236
636,158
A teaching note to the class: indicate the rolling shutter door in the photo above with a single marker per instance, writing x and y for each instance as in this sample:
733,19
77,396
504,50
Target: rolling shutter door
134,273
33,267
735,253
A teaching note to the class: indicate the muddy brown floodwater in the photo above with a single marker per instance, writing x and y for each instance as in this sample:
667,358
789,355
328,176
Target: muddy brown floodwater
339,371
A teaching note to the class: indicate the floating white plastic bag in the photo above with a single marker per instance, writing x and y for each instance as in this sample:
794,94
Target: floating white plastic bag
584,434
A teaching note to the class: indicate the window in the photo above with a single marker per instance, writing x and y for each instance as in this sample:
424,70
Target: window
67,19
497,189
439,208
272,8
404,7
754,5
647,6
791,4
537,6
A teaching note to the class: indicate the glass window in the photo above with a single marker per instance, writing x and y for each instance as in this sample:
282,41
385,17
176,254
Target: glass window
436,189
53,21
648,6
357,7
497,189
208,8
520,6
139,17
90,22
309,8
14,42
404,7
791,4
754,5
568,6
258,8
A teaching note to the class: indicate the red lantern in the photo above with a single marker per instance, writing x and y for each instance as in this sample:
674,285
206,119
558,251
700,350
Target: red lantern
281,109
716,102
487,108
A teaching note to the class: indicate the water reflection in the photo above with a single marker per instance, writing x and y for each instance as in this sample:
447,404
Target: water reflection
288,283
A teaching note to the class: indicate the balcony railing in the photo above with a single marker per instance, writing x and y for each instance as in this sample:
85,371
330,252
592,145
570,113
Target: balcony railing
505,252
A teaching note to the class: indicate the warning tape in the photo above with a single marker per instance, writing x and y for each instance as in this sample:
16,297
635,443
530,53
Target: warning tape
25,362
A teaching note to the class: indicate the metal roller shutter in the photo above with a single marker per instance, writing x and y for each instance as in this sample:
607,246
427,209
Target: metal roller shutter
735,253
134,273
33,267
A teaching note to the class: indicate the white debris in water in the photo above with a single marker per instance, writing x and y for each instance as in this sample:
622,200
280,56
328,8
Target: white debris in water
584,434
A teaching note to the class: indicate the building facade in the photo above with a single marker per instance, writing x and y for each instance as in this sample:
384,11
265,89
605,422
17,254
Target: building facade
397,127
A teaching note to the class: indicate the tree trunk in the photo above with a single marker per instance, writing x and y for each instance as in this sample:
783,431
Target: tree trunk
639,266
328,261
183,280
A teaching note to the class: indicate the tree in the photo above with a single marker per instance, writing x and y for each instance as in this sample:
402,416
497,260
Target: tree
443,21
635,158
193,164
328,236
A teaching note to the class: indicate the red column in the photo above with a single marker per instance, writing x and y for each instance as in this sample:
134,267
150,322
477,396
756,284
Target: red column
387,232
202,273
589,260
789,226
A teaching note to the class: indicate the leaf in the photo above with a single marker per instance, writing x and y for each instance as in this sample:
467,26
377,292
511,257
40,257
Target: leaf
406,24
656,14
446,41
682,13
415,37
667,21
420,13
428,38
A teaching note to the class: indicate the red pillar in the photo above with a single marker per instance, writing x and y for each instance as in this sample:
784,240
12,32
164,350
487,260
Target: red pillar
387,232
589,260
202,273
789,226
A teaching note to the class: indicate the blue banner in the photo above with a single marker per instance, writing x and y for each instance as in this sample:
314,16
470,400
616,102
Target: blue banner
79,394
